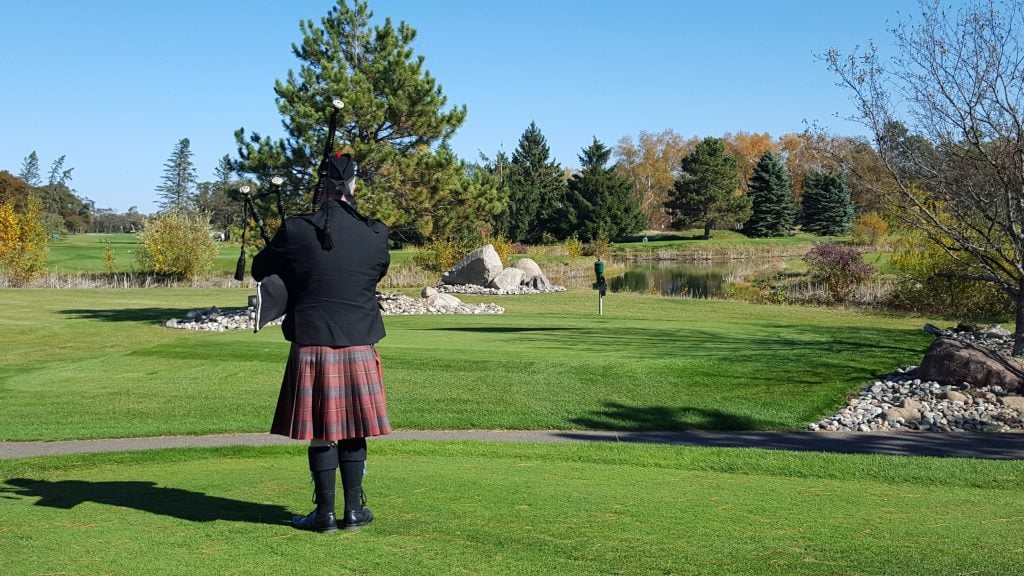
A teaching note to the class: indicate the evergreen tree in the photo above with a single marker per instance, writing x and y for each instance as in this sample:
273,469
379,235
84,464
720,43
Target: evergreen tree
63,210
827,207
179,181
58,175
462,198
30,170
217,198
706,191
537,208
601,199
394,118
773,208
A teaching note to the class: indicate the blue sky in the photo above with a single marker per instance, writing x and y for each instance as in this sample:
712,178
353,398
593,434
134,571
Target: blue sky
115,84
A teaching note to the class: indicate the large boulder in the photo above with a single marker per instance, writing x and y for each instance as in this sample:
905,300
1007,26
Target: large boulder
507,279
529,267
478,267
443,301
951,361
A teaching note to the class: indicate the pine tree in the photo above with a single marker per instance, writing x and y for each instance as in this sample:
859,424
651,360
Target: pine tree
601,198
537,208
827,206
58,175
179,180
216,198
395,118
707,189
773,208
30,170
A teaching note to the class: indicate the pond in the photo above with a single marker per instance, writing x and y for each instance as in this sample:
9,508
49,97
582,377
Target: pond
691,280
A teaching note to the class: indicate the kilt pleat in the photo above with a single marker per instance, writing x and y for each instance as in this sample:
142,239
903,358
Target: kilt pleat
332,394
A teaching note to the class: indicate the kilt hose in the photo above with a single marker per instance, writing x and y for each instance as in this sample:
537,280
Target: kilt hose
332,394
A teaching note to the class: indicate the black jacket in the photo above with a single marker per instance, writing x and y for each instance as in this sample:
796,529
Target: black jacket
332,297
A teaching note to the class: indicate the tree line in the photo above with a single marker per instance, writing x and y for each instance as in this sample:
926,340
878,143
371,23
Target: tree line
942,160
396,122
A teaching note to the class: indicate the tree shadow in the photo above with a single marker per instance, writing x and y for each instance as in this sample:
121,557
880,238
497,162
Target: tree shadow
147,497
142,315
616,416
662,237
499,329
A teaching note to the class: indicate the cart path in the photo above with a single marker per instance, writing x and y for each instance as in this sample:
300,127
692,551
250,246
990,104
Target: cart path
1008,446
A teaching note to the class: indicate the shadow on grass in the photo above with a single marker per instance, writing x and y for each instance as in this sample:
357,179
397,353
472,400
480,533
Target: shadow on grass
500,329
662,237
147,497
143,315
988,446
617,416
810,344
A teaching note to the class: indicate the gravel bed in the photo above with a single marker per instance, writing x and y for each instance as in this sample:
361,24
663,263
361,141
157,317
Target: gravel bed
901,401
216,320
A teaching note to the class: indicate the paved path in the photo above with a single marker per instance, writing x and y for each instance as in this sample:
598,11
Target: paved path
963,445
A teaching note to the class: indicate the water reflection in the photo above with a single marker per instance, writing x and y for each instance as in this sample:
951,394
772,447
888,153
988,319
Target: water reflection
698,280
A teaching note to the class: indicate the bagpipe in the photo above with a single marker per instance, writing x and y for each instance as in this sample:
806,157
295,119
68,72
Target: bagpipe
271,298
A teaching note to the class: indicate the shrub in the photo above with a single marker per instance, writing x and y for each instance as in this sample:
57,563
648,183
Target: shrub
841,268
22,241
501,245
177,244
573,247
869,229
109,261
599,246
927,283
439,255
756,288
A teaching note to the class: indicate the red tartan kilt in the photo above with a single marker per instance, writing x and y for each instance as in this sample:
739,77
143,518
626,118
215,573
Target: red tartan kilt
332,394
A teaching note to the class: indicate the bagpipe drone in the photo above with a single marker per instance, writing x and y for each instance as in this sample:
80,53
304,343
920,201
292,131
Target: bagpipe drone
335,171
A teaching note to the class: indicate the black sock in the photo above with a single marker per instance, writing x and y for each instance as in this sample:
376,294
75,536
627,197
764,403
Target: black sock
323,461
352,459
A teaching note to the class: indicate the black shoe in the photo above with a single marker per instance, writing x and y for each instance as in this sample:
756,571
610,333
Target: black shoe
316,522
356,519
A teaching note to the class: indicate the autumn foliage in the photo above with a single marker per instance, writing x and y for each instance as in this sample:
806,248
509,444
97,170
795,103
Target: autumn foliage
177,244
22,241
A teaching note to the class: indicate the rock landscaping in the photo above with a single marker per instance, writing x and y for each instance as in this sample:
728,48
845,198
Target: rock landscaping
481,272
215,320
966,383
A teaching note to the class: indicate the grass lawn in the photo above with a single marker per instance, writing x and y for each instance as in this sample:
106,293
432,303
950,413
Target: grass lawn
99,363
475,508
720,241
84,253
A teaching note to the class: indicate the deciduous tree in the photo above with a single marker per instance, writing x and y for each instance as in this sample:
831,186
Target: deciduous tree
651,163
14,190
957,80
748,148
23,241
